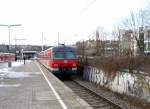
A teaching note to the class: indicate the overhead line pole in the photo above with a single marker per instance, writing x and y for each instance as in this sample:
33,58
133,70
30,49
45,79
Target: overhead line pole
42,42
16,41
58,38
16,46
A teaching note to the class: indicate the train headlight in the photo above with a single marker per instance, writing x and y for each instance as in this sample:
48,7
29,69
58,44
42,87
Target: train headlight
74,65
74,68
55,65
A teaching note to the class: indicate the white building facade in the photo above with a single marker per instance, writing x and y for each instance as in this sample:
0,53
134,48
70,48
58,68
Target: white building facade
128,41
147,40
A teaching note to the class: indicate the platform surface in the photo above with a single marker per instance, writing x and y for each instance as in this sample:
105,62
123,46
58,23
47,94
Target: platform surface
31,86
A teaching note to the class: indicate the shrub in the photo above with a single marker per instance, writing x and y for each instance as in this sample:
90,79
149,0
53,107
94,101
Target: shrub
111,65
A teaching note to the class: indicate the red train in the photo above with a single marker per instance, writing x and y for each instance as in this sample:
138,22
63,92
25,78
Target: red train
59,59
5,57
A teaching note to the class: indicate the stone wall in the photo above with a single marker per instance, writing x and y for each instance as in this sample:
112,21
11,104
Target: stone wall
123,82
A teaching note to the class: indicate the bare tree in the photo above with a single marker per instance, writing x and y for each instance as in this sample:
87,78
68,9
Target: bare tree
117,37
79,48
97,46
136,23
100,41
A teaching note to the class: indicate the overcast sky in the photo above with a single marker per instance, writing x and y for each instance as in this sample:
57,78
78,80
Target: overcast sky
73,19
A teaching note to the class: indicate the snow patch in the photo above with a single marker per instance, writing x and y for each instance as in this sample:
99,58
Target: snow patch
6,72
11,74
20,63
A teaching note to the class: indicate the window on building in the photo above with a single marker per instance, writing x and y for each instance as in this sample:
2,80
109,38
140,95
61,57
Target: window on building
144,46
148,36
148,46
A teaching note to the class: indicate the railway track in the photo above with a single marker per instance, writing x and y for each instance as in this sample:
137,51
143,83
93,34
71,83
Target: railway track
93,99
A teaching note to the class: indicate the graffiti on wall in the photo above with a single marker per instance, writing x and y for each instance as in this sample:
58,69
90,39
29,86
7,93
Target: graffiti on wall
123,82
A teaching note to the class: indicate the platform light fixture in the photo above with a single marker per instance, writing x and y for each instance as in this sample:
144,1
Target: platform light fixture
9,26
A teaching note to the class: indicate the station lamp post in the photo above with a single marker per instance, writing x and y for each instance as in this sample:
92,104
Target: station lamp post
9,26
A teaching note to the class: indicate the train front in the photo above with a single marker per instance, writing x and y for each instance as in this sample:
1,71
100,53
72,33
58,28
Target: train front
63,61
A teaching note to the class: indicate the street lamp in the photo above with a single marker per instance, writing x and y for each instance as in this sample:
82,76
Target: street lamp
9,26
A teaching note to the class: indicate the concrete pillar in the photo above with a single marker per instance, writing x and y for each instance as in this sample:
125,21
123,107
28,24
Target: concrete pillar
9,64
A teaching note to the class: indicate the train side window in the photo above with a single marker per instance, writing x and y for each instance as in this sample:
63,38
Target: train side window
48,54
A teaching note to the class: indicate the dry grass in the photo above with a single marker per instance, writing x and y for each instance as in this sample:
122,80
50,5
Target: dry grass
112,65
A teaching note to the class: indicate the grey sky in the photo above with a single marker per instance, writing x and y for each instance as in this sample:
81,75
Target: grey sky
73,19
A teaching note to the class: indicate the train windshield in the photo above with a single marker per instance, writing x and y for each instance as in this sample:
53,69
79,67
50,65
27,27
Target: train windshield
69,55
63,55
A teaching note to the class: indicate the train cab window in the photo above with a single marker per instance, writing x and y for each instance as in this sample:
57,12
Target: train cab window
58,55
63,55
69,55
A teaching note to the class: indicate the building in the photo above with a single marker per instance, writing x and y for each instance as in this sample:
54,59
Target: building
127,42
147,40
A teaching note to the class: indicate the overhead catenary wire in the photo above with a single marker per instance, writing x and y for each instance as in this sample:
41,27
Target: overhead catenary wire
87,7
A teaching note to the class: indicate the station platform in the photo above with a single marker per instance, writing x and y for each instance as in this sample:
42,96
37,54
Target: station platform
31,86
